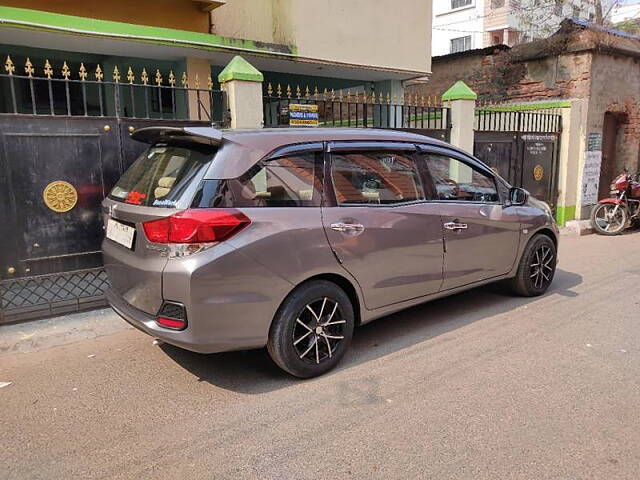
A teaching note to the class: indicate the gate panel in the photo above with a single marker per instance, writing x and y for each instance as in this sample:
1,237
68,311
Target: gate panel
498,151
37,152
50,261
522,146
538,165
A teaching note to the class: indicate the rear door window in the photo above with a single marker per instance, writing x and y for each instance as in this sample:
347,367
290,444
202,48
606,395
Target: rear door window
375,178
290,181
160,175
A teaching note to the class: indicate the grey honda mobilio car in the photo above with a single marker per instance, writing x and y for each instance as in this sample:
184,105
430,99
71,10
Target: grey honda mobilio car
228,240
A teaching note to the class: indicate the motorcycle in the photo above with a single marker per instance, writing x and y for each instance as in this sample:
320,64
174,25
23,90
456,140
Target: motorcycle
611,216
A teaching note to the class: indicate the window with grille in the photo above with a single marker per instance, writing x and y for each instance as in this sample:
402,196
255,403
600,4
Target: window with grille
460,3
460,44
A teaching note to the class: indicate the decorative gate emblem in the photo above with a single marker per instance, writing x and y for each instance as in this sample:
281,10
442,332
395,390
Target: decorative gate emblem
60,196
538,172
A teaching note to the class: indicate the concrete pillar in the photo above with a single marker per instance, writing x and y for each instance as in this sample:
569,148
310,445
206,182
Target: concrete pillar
243,84
462,102
570,162
198,71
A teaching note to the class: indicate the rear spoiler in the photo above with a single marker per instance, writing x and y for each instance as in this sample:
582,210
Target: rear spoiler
156,134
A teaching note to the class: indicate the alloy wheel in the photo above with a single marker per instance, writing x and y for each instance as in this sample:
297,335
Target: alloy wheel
318,331
541,268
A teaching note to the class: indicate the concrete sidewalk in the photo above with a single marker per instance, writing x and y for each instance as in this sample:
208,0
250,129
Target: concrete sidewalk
40,334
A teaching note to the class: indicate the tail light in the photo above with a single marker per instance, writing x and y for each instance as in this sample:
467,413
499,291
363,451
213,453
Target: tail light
198,225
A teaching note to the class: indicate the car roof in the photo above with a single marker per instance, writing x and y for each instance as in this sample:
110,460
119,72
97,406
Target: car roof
272,138
240,149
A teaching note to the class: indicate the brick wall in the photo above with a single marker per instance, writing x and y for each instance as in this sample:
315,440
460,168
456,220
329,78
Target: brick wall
496,75
616,89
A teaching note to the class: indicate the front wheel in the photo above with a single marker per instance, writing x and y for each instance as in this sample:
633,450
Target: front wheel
609,218
312,329
537,267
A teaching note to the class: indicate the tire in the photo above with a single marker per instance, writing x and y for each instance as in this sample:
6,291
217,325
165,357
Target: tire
530,280
602,228
299,343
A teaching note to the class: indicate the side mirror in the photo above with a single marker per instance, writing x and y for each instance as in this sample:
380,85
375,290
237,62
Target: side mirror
518,196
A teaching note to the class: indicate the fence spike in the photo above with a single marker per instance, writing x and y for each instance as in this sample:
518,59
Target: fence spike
197,82
66,72
269,89
340,95
279,90
298,91
185,80
172,78
116,74
82,72
9,66
333,94
209,82
316,92
144,76
380,98
325,93
28,68
99,74
130,76
288,91
158,77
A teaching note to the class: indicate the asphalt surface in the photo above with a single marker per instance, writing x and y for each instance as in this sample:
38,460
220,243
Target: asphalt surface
479,385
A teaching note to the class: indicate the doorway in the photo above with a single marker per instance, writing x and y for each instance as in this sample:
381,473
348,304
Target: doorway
609,167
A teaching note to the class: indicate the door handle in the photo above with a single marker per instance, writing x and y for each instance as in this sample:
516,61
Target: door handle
349,228
455,226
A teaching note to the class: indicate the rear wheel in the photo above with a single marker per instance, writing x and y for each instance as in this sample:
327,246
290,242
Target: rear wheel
537,267
609,218
312,329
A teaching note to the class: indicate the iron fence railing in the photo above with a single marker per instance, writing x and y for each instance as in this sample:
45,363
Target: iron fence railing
357,110
163,97
488,119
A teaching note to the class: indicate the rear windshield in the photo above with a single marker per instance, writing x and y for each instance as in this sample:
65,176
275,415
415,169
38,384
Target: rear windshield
160,175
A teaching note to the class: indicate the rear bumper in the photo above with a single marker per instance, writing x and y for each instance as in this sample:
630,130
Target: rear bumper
185,339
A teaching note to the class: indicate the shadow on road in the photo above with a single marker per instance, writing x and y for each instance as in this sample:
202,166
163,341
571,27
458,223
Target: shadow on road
253,372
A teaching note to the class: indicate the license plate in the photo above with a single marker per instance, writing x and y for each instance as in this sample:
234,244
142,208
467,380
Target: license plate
120,233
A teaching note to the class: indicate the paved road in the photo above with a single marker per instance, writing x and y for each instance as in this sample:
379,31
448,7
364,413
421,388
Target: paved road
480,385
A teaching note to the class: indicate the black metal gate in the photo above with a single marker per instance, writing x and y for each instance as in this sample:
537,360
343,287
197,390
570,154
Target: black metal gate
522,147
53,137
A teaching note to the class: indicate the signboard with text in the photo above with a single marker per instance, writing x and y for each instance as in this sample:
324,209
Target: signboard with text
303,115
591,177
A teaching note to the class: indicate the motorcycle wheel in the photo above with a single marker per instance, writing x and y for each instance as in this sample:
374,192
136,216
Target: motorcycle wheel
605,220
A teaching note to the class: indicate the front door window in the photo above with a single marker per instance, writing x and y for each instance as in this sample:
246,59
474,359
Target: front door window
457,181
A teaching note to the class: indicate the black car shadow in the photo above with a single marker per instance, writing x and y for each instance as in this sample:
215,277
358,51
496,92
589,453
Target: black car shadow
253,372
